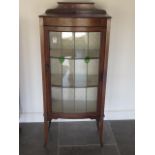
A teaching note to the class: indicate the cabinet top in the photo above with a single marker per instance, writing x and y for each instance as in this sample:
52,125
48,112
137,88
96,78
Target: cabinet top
76,9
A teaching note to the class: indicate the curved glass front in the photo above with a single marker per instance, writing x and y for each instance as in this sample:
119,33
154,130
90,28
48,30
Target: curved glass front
74,58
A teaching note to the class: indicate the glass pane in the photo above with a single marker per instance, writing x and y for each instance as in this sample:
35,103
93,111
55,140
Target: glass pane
68,73
68,100
67,44
55,44
91,99
56,72
74,81
93,72
56,99
81,44
80,73
80,100
94,44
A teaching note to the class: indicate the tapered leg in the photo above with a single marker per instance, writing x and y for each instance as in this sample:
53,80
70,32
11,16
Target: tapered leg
101,123
97,123
49,125
45,133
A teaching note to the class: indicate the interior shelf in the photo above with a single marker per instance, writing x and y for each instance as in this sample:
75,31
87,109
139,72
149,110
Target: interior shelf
79,54
70,82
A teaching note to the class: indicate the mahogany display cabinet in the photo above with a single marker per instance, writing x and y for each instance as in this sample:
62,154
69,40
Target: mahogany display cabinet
74,53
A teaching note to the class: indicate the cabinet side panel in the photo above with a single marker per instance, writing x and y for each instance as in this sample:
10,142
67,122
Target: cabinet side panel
103,69
106,61
43,63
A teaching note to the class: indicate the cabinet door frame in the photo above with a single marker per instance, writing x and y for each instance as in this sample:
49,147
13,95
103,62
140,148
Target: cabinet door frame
103,55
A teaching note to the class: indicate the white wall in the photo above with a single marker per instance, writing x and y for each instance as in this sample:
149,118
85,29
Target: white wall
120,81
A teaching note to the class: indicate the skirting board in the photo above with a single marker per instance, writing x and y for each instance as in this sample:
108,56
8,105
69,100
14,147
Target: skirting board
109,115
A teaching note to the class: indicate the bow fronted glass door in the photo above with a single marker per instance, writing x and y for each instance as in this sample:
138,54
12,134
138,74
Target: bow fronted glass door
74,64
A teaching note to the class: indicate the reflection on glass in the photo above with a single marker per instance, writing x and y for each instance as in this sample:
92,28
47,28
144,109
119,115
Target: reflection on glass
91,99
68,100
67,44
80,73
81,44
56,99
80,100
56,72
94,44
55,43
68,73
93,72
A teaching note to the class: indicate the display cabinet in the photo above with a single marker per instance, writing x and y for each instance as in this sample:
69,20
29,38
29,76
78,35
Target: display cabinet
74,52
